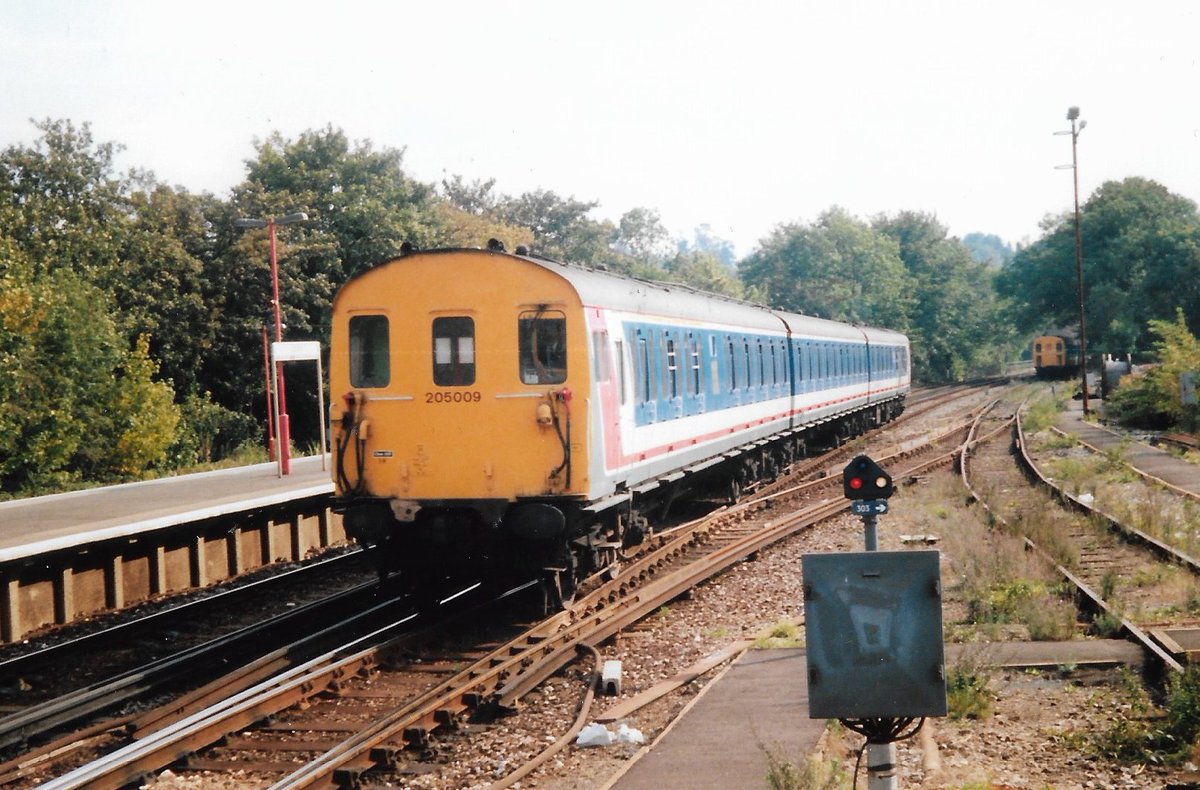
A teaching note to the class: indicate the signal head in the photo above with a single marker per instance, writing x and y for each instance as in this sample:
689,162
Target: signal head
865,479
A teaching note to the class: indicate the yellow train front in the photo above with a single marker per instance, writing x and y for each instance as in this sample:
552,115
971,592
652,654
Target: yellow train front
457,440
1055,356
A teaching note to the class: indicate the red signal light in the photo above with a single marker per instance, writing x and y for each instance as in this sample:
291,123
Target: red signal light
856,483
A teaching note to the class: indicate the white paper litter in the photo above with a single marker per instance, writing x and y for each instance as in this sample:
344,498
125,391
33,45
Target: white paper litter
627,734
595,735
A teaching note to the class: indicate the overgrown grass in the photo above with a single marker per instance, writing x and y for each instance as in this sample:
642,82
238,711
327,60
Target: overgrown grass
783,633
967,690
1147,733
815,774
1041,413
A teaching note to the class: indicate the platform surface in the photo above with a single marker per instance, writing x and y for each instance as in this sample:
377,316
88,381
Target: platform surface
762,702
47,523
1149,459
721,742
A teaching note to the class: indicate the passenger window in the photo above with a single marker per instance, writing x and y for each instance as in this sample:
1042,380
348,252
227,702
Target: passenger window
672,370
643,369
694,353
454,351
370,364
542,347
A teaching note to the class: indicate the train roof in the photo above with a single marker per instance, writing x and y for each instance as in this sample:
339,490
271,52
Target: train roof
656,299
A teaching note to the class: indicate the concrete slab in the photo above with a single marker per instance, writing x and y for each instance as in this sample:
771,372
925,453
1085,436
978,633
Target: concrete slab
760,702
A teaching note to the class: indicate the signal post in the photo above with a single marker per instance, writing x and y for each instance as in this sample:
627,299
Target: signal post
873,626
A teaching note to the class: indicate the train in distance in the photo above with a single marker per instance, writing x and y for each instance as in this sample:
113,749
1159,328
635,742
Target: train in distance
506,412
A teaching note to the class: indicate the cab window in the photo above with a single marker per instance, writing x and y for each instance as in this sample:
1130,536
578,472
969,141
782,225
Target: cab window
542,347
454,351
369,355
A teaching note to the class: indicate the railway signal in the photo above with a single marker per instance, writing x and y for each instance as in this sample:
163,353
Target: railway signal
865,479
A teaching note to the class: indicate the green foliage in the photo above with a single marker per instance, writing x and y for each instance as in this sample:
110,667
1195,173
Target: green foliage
81,404
988,248
1107,626
142,416
704,271
1141,260
967,692
956,330
1154,399
1040,415
210,432
1144,734
838,268
816,774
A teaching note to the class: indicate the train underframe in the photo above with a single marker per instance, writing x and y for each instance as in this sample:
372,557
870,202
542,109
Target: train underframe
562,540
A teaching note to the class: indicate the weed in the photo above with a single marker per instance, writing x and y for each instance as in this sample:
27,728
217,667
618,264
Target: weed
720,632
1050,619
1108,585
816,774
664,612
784,633
1107,626
1040,415
967,694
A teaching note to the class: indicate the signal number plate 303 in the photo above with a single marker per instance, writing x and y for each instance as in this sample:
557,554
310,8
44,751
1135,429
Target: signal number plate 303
457,396
869,507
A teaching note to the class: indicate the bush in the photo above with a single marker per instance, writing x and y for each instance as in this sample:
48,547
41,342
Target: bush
967,694
210,432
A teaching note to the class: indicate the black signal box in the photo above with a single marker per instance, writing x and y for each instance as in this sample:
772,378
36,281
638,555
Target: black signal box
865,479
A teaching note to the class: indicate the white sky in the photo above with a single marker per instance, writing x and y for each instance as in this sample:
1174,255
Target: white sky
740,114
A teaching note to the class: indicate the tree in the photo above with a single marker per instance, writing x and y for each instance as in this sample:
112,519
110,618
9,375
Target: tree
988,248
641,236
89,406
561,227
1141,260
704,240
361,205
1154,399
704,271
955,329
838,268
67,208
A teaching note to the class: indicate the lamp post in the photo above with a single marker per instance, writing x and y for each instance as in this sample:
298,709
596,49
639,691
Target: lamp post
1073,116
282,423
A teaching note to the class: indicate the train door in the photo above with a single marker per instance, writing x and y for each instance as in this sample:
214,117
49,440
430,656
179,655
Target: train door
608,375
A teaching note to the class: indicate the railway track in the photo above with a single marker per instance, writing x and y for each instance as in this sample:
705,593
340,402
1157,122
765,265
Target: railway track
145,680
316,740
1126,581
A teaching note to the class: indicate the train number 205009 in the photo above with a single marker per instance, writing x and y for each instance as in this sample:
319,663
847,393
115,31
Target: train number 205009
452,397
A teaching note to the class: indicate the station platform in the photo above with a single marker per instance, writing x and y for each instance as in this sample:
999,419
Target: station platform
29,527
761,702
1140,455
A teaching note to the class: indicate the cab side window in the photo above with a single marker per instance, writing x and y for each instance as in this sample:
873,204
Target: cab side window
370,364
542,347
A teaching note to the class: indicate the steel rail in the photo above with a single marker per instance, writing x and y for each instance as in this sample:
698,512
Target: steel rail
1093,597
494,679
10,667
243,709
524,664
1145,475
25,725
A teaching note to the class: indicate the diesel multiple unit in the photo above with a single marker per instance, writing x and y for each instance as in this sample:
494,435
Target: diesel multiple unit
505,411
